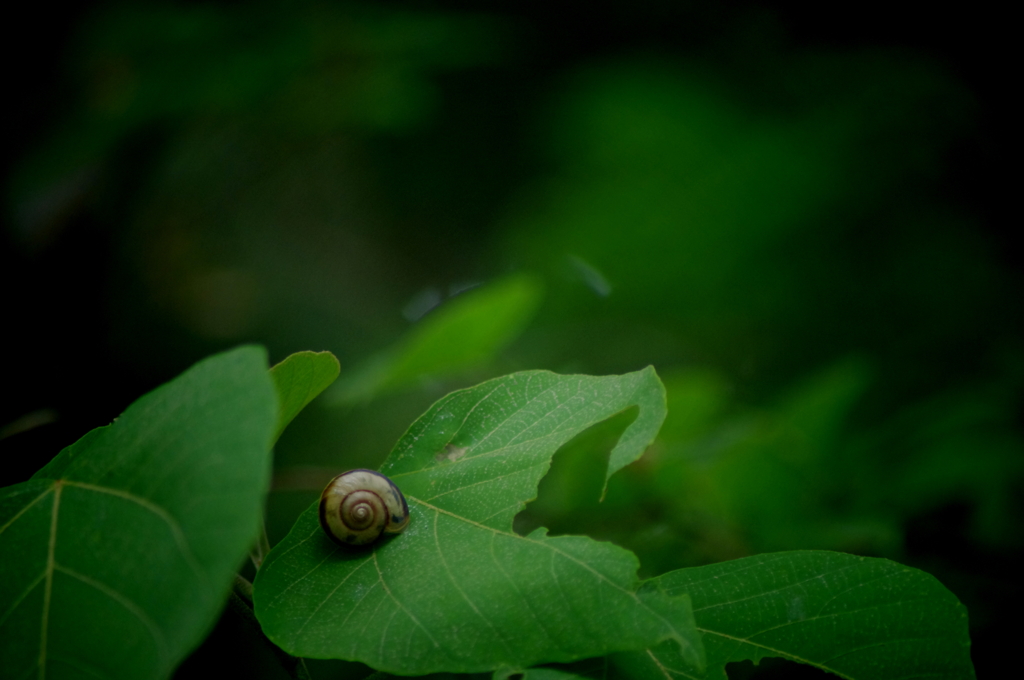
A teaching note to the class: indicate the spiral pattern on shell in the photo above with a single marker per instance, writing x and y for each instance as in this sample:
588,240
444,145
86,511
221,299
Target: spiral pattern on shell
359,505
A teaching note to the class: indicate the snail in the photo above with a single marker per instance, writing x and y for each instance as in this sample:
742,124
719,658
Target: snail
359,505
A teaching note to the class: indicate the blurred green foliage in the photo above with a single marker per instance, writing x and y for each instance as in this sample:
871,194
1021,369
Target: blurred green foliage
467,333
840,344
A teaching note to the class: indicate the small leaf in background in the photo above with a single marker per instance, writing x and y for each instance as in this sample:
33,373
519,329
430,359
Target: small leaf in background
859,618
118,554
299,379
459,591
463,334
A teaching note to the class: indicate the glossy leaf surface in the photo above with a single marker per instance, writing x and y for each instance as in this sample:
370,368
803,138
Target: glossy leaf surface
459,591
116,557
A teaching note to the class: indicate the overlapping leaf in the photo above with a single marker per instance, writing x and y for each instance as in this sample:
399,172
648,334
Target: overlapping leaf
856,617
116,556
459,591
298,380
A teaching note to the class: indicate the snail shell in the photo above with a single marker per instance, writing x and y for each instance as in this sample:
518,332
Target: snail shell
359,505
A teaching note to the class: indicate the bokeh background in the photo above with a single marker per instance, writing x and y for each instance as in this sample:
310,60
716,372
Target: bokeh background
800,218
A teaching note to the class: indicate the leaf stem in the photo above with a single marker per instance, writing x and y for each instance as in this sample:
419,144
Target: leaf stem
262,547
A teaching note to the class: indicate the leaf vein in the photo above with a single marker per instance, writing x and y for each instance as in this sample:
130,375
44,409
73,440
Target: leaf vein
455,584
384,633
555,551
137,611
79,666
490,480
380,574
835,614
529,605
669,671
883,643
511,415
176,531
21,598
476,445
329,596
48,588
764,593
494,452
355,606
25,509
470,412
778,652
308,573
853,587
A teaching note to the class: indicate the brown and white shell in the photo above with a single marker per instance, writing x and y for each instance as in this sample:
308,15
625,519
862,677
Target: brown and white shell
359,505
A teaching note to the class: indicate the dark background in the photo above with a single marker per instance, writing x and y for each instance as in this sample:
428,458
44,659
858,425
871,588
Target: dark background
800,215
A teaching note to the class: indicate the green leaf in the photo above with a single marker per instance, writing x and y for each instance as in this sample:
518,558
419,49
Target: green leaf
466,332
117,556
299,379
459,591
598,668
859,618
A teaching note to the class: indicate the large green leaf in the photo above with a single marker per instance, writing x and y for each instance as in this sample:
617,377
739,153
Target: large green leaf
116,557
459,591
464,333
856,617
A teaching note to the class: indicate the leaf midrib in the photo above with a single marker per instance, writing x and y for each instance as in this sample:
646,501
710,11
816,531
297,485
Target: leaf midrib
778,652
51,565
667,672
48,587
